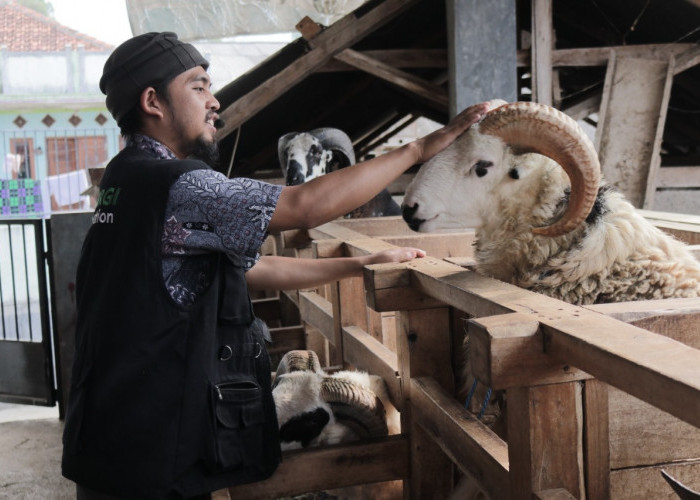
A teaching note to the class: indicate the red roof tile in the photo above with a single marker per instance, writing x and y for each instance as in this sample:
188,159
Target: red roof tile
25,30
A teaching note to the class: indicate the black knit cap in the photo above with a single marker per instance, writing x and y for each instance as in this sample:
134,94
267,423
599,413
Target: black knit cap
144,61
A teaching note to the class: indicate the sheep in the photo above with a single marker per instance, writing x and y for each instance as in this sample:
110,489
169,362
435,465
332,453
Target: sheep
563,232
306,155
315,409
576,240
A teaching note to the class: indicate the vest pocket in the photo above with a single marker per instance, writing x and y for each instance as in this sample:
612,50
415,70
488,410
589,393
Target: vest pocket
239,410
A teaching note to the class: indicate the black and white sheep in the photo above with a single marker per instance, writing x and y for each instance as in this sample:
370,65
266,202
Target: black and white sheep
565,232
306,155
314,408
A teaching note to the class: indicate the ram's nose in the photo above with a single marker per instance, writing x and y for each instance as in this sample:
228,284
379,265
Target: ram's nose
294,174
408,212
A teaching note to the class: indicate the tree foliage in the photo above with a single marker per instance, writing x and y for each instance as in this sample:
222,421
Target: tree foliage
41,6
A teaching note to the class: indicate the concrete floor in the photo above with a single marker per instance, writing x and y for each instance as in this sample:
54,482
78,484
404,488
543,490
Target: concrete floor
30,454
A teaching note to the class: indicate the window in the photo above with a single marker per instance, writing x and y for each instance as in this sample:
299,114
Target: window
23,148
68,159
68,154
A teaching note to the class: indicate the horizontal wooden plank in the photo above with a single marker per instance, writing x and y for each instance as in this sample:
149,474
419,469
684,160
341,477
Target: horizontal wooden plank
472,446
678,177
318,312
287,338
506,351
598,56
267,309
630,359
315,469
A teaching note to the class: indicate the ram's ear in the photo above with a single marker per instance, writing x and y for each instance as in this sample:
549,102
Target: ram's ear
305,427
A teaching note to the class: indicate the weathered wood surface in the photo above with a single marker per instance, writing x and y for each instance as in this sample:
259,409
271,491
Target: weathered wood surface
544,439
341,35
315,469
631,120
575,335
472,446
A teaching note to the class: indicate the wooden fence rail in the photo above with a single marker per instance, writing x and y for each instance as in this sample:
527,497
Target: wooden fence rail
599,398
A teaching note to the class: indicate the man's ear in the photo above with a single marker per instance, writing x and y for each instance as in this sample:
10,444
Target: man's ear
150,102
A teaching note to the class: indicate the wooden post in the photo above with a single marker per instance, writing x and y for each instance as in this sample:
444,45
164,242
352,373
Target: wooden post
545,439
424,350
542,43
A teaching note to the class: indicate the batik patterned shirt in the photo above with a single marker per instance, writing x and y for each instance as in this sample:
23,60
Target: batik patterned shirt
207,213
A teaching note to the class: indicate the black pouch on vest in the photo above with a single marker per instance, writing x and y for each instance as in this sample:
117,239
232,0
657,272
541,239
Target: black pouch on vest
245,421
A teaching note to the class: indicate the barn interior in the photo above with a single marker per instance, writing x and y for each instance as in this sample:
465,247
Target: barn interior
373,74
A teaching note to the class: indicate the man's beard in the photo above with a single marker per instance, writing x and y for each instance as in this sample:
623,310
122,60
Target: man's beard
207,151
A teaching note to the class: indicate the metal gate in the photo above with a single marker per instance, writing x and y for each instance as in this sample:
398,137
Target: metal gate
27,369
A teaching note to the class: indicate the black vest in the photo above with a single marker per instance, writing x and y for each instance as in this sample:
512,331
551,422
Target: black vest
165,401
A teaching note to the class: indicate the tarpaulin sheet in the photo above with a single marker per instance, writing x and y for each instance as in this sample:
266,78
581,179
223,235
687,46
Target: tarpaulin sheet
216,19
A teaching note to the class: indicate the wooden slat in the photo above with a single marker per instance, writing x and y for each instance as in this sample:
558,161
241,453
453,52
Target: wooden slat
598,56
632,116
542,44
267,309
632,359
314,469
366,353
596,439
329,42
506,351
678,177
287,338
397,58
407,81
421,348
472,446
317,311
544,449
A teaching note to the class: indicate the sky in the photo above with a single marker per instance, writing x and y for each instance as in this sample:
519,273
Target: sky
105,20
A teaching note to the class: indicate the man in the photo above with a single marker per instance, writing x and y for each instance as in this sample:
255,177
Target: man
170,393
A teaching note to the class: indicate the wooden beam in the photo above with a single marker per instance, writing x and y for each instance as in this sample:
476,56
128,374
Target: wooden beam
678,177
632,117
315,469
633,360
598,56
424,89
544,447
396,58
327,43
542,44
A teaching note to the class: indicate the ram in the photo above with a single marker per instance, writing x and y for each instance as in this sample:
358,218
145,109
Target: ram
315,408
563,232
527,178
303,156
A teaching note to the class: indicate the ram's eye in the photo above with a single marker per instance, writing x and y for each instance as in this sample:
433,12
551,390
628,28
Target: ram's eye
480,168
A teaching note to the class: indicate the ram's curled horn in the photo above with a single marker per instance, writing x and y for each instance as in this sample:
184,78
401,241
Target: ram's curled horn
529,127
355,407
336,140
298,360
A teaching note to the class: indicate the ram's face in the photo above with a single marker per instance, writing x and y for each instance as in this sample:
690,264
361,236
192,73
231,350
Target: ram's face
305,159
454,188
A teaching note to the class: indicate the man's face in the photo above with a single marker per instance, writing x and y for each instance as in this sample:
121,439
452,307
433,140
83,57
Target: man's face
191,109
